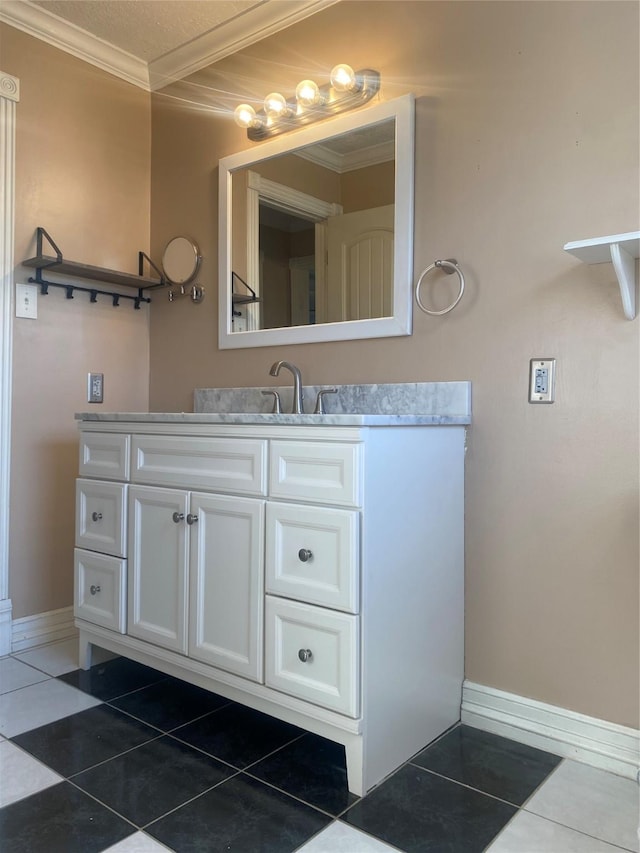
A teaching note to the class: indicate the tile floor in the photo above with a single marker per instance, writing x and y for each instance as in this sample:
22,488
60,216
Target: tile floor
124,759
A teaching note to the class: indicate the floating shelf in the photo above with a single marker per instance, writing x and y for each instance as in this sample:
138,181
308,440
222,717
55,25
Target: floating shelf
59,265
621,250
64,267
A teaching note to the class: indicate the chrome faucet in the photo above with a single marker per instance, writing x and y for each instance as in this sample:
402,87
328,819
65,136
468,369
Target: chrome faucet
298,408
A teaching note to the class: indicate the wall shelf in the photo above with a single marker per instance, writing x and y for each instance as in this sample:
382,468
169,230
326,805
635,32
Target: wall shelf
621,250
59,265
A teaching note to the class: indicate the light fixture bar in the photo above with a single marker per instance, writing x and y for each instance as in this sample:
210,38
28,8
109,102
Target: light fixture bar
330,102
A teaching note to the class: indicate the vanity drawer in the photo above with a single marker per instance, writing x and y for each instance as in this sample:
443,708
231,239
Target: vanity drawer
101,520
322,472
100,584
312,554
104,455
214,464
313,654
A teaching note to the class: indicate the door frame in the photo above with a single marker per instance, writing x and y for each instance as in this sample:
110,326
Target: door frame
9,97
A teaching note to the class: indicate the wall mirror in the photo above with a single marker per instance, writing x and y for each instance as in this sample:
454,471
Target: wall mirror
316,232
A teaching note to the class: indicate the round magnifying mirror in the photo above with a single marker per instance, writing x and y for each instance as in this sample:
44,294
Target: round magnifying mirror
181,260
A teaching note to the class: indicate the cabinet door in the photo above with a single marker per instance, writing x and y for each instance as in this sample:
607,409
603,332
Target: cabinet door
157,586
226,605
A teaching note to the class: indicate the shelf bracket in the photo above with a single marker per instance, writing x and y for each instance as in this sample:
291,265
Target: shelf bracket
621,250
625,268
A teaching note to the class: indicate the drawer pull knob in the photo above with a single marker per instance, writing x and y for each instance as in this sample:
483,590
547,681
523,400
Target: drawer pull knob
96,516
305,655
93,589
304,555
191,519
178,517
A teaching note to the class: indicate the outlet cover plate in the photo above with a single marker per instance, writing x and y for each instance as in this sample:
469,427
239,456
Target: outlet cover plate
95,387
542,380
27,301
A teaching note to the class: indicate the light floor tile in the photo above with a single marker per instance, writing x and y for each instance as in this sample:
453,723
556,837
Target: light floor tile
139,842
40,704
58,658
528,833
340,838
592,801
21,774
14,674
54,659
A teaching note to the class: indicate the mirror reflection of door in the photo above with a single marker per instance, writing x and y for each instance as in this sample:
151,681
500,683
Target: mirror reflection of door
360,264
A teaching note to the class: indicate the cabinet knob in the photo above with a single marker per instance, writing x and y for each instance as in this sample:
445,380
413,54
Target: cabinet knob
93,589
191,519
305,655
178,517
96,516
304,555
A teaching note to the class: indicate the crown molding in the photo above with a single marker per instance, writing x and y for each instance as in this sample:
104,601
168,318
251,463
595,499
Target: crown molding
341,163
40,24
235,34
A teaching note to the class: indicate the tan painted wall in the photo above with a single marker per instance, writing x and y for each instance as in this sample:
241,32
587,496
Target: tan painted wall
527,137
83,173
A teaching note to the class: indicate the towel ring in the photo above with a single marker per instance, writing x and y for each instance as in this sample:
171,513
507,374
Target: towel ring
449,266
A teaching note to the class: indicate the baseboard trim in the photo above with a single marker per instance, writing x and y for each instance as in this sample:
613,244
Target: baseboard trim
5,626
30,631
566,733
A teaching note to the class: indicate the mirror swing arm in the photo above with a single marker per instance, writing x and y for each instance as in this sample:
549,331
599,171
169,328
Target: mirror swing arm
401,112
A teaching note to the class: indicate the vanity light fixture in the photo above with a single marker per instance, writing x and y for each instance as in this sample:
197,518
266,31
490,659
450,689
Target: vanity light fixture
347,89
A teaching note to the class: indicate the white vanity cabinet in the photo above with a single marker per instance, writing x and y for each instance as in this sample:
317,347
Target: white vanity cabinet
311,572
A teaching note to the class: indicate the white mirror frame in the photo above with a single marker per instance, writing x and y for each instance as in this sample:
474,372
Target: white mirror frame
403,111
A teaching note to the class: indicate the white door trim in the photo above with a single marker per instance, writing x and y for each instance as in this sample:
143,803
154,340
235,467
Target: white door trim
9,97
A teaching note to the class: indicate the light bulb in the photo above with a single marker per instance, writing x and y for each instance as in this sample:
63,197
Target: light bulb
343,78
245,115
275,105
307,93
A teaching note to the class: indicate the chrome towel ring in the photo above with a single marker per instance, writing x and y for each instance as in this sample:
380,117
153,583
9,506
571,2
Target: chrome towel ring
449,266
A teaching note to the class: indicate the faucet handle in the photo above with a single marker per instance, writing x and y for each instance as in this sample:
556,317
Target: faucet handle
319,409
277,408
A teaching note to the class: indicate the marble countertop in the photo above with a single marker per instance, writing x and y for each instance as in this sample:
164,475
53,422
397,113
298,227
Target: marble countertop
262,418
393,404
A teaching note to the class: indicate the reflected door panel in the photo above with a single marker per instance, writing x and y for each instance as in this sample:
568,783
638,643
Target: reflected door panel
360,264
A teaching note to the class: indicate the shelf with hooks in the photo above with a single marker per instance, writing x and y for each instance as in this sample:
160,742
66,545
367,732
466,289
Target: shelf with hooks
61,266
622,250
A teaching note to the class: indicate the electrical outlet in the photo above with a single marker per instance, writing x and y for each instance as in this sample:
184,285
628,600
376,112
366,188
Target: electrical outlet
95,387
27,301
542,380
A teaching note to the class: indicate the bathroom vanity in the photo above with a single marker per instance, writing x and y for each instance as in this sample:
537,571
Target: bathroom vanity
308,566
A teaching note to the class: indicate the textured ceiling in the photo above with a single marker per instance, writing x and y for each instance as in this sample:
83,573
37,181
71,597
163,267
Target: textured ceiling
148,29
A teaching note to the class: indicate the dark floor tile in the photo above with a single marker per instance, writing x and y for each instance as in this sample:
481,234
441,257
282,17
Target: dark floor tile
418,811
243,815
60,819
169,703
147,782
312,769
113,678
84,739
489,763
238,735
